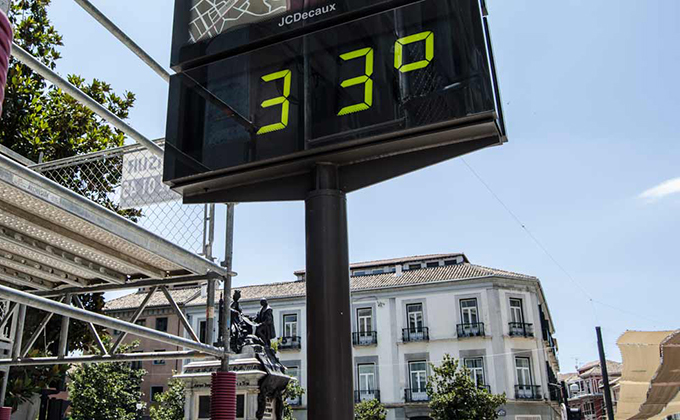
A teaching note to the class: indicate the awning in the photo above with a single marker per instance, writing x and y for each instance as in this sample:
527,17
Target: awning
651,375
52,238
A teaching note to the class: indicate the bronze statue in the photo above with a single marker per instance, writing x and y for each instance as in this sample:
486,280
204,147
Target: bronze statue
265,329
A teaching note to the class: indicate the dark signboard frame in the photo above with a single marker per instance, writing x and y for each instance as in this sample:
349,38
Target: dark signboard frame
186,55
361,162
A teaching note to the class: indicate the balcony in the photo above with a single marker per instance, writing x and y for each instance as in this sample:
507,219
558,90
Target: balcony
295,402
415,334
416,396
367,338
528,392
290,343
366,394
470,330
520,329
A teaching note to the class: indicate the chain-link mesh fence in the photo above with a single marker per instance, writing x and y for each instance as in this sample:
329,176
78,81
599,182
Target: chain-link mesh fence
128,180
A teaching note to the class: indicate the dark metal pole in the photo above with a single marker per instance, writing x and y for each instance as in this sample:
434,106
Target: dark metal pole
605,375
226,293
329,359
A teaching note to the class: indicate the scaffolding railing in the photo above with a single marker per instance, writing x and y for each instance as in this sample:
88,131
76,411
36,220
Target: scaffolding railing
128,180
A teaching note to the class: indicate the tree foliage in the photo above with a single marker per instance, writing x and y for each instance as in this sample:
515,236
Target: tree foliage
370,410
293,391
170,404
24,383
106,391
39,118
454,395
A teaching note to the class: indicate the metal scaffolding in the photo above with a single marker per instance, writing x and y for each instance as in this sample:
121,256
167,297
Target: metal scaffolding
56,244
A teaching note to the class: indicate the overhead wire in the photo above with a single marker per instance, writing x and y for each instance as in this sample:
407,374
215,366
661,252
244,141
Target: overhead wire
554,260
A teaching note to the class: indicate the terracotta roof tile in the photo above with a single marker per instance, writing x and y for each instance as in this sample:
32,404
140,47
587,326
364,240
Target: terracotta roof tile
297,288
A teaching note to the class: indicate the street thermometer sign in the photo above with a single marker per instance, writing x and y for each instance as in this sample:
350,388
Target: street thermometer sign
266,90
309,100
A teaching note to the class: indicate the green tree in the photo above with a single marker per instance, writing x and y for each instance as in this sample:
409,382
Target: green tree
370,410
106,391
170,403
454,395
293,391
40,121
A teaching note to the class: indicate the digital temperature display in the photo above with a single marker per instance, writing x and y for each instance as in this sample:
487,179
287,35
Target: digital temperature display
408,69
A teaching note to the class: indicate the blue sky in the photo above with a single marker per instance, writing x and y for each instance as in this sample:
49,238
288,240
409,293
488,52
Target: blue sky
592,168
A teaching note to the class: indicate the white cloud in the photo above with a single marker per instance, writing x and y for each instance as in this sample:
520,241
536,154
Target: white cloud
666,188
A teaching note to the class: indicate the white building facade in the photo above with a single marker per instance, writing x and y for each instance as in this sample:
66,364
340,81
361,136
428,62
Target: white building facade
408,313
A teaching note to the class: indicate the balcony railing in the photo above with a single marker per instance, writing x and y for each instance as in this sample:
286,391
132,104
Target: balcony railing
528,392
295,402
471,330
520,329
366,394
366,338
415,395
290,343
415,334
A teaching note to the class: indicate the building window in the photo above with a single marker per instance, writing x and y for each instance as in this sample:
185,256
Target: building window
204,407
589,409
476,368
433,264
240,407
162,324
159,361
414,266
468,311
450,262
359,273
154,391
136,365
366,376
293,372
290,325
418,379
202,331
141,322
414,315
364,320
524,378
516,311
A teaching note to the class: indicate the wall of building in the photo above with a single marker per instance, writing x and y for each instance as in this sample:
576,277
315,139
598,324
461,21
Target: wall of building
158,372
441,311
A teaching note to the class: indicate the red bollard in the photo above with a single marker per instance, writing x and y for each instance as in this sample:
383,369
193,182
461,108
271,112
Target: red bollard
5,52
222,396
5,412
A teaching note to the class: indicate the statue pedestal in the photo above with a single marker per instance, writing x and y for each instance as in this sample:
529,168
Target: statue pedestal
250,374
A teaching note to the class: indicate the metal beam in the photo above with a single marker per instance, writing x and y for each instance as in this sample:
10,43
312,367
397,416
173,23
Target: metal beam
18,332
134,318
8,315
16,278
103,320
39,223
134,284
180,314
77,94
63,333
34,268
118,33
46,250
226,293
91,327
37,332
122,357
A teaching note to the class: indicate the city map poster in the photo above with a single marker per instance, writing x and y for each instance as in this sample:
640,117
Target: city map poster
210,18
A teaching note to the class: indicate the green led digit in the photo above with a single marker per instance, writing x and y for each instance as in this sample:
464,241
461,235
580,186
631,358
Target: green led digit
428,37
281,100
365,80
